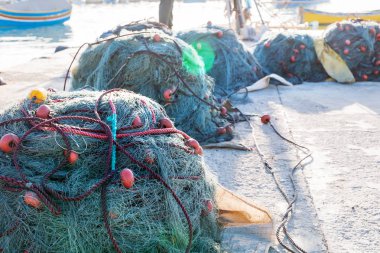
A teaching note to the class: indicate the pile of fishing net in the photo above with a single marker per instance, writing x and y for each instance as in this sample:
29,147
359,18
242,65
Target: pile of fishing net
226,58
291,56
160,67
358,44
65,186
137,26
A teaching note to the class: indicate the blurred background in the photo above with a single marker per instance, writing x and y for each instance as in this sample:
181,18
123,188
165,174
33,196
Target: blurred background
91,18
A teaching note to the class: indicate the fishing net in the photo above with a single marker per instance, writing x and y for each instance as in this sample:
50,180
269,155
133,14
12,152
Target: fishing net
358,44
291,56
62,187
163,68
225,57
137,26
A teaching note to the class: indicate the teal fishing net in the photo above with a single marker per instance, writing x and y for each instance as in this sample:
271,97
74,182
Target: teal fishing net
291,56
225,57
64,186
163,68
358,43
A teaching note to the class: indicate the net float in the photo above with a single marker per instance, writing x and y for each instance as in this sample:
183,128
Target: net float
195,145
137,122
223,111
31,199
156,38
38,95
168,94
221,130
43,112
265,119
166,123
8,142
72,158
127,178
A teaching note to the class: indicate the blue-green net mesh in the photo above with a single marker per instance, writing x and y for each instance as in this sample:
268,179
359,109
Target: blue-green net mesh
291,56
151,63
358,44
144,218
226,58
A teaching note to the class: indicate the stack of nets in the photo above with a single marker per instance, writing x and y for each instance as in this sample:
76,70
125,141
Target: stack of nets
163,68
358,44
291,56
137,26
68,170
226,58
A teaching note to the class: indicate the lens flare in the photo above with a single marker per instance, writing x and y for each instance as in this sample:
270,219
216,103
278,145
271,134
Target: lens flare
206,52
192,62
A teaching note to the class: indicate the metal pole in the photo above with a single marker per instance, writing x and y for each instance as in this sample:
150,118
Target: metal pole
258,10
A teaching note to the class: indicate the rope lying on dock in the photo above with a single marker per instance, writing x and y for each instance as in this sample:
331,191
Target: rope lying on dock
163,68
291,200
226,58
83,166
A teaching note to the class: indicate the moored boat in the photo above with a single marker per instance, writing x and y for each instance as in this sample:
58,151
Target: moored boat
31,13
326,18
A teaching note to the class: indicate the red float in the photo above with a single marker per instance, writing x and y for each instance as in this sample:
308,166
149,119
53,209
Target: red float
221,130
8,142
43,112
166,123
156,38
195,145
137,122
265,119
127,178
73,156
168,95
223,111
31,199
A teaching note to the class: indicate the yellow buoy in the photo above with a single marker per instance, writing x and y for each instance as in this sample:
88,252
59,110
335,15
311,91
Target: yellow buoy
38,95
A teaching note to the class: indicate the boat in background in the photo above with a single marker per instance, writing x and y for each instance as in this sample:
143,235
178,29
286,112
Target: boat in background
33,13
326,18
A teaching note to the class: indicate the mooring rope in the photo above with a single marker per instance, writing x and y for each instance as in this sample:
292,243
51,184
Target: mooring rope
270,169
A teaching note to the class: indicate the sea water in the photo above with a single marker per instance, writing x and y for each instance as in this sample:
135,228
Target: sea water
89,21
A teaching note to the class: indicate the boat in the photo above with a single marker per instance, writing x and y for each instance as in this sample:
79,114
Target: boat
33,13
326,18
